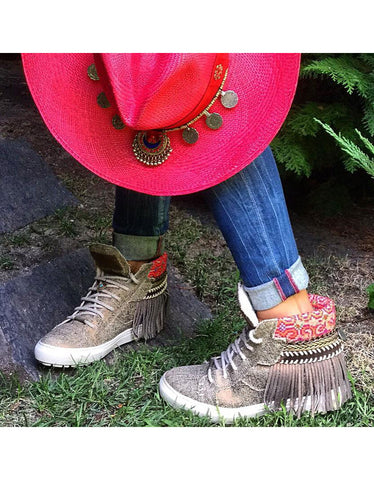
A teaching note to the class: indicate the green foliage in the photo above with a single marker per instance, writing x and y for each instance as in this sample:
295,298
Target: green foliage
345,70
6,263
358,158
338,91
370,291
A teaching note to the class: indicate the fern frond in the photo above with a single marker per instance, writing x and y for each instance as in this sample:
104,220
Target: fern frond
368,58
301,118
353,150
343,70
365,141
368,112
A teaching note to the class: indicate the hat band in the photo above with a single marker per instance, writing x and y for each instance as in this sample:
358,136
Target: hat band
152,147
202,110
217,78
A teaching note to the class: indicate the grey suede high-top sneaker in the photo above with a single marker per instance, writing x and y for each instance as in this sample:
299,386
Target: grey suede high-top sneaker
118,308
296,360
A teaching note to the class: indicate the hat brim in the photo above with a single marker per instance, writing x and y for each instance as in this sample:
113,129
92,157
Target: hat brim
66,99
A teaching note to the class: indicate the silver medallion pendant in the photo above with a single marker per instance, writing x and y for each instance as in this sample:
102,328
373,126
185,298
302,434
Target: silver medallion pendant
229,99
213,120
151,148
190,135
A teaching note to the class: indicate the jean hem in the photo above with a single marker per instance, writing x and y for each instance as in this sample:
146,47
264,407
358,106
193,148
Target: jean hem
137,247
271,294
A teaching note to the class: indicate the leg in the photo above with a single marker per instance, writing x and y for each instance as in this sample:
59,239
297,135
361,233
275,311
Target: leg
251,212
293,355
139,224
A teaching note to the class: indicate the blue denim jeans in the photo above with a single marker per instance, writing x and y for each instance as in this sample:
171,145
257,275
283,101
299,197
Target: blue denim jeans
252,215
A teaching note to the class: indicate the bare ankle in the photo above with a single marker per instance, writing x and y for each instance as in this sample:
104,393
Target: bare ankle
294,305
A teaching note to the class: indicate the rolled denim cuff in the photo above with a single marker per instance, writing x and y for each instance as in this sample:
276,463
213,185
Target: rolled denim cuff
137,247
272,293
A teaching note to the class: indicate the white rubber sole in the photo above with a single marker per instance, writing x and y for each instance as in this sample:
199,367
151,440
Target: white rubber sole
177,400
71,357
217,414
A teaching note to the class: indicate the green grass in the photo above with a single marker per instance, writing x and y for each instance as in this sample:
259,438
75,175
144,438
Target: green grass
65,220
124,392
6,263
20,240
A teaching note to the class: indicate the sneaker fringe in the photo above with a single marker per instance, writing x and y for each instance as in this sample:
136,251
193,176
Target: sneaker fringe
150,316
315,387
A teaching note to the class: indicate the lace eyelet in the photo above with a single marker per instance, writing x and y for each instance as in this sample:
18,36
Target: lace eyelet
253,339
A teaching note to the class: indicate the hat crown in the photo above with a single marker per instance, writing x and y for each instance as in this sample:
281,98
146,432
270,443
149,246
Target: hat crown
69,95
154,90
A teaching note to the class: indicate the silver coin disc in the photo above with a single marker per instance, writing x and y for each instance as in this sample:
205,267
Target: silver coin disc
190,135
214,121
229,99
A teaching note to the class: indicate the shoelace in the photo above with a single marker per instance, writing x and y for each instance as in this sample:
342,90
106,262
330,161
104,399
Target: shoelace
226,358
92,303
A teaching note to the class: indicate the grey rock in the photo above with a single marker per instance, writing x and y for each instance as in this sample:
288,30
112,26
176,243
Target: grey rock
28,188
33,303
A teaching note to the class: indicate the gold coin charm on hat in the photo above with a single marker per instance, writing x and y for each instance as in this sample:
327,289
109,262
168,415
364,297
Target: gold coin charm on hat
229,99
102,101
92,72
117,122
190,135
213,120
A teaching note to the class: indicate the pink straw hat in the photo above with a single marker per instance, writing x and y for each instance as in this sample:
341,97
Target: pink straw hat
163,123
